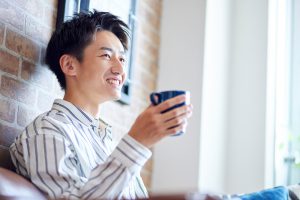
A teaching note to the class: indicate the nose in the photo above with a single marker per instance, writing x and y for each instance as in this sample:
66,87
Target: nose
118,67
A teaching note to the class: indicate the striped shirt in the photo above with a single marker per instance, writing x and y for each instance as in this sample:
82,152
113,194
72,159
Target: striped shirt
68,154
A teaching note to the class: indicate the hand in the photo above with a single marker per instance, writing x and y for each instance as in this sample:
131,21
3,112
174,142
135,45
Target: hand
151,125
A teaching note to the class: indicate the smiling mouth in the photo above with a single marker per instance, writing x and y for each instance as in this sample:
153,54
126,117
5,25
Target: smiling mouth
114,82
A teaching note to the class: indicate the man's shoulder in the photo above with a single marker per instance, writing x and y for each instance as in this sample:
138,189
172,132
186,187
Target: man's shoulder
51,116
56,116
46,123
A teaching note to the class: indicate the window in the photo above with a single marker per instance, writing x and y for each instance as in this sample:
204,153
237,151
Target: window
285,48
125,9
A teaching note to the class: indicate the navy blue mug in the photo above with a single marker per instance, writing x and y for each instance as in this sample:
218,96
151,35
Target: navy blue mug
159,97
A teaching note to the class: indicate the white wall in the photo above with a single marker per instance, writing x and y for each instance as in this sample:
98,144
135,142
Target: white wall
247,97
214,101
176,159
224,147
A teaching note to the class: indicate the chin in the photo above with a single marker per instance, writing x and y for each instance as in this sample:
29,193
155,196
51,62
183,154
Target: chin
116,96
113,94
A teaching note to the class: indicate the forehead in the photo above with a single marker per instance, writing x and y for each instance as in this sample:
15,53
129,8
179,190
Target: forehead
107,39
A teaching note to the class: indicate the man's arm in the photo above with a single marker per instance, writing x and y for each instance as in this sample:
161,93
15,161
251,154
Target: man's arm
53,166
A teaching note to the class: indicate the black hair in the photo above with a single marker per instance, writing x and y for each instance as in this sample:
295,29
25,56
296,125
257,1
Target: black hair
75,35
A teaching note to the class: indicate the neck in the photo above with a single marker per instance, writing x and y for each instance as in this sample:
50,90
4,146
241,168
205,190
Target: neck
85,103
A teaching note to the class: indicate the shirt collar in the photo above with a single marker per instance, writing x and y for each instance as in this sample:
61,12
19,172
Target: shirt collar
75,113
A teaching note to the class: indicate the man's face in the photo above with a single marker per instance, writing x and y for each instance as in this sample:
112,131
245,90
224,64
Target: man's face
101,73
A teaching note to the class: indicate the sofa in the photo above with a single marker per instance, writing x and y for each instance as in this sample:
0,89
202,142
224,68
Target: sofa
12,185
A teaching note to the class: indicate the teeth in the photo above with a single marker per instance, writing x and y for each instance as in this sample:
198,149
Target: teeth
113,81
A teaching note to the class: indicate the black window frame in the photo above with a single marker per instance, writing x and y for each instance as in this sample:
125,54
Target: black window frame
83,5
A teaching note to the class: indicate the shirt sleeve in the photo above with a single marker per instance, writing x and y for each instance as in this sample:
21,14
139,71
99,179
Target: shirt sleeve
53,166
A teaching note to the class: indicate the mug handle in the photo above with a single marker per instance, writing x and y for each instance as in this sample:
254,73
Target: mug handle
153,99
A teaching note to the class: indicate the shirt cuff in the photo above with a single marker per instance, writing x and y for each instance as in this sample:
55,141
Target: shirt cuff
131,153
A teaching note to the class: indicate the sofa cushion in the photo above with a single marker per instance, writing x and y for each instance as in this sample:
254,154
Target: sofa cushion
276,193
14,186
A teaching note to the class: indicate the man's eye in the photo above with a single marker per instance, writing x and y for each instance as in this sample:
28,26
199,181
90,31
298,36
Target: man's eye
106,55
123,60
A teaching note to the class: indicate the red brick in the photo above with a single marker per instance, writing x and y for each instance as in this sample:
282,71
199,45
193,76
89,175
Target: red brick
17,90
151,51
34,7
149,64
7,135
45,101
148,34
37,31
143,60
154,70
145,14
2,28
7,110
25,116
11,15
155,6
9,63
146,79
37,74
22,45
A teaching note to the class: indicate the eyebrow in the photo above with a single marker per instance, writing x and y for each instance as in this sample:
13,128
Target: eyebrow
111,50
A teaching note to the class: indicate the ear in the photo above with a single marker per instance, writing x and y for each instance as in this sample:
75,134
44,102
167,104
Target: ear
68,65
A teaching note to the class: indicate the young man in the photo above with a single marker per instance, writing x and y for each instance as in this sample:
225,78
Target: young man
67,152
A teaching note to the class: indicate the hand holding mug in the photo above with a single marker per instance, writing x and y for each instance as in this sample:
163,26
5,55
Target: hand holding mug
166,116
159,97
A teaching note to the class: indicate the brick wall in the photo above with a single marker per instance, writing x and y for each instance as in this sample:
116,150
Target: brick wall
28,88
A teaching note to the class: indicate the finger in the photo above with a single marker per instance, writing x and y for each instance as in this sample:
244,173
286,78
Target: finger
170,103
176,112
150,107
176,129
176,121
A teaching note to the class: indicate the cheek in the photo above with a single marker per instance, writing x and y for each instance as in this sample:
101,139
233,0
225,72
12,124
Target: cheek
94,78
124,76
